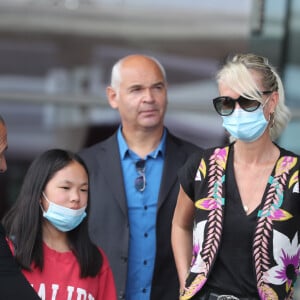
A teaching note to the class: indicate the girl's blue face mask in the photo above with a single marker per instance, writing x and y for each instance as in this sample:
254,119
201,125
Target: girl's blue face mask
246,126
63,218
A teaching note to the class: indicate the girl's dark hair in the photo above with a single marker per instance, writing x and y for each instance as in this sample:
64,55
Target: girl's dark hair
23,222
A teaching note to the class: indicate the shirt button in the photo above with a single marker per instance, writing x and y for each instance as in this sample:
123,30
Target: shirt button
145,234
144,290
145,262
145,207
124,259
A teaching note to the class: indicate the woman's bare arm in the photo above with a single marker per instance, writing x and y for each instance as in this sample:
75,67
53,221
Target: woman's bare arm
182,234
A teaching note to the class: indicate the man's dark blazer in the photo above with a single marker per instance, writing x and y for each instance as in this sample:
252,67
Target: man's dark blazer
108,216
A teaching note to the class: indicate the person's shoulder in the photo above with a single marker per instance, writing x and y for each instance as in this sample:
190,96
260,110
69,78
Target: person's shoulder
207,152
182,143
90,149
287,152
221,147
96,148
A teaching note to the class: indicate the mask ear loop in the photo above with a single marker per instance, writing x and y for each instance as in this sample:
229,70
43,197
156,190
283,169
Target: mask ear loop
264,104
45,197
271,117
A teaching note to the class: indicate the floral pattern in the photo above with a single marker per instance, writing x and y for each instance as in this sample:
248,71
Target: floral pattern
286,254
198,265
207,233
203,256
270,212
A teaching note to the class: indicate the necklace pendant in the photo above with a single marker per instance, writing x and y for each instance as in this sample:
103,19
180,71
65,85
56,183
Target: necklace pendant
246,208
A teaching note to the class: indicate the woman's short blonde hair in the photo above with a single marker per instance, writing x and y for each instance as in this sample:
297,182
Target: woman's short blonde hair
237,74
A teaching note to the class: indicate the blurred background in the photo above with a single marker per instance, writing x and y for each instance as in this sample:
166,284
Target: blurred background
56,57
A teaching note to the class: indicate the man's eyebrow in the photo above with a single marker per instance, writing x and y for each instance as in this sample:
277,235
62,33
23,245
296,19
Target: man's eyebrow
159,83
135,86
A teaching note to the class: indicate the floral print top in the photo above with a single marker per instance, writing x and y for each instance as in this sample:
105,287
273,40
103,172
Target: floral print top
276,248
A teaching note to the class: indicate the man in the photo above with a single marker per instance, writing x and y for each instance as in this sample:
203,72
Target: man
13,285
133,183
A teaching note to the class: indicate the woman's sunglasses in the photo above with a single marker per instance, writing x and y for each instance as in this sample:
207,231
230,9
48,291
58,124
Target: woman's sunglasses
225,105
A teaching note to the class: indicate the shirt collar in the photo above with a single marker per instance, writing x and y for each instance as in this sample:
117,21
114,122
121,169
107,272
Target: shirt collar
124,149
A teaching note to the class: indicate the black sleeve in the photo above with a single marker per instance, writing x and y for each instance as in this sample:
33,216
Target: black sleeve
13,284
188,172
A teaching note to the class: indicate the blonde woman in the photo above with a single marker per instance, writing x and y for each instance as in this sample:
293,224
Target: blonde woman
235,232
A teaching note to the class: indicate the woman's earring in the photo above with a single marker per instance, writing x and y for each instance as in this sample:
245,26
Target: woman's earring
272,119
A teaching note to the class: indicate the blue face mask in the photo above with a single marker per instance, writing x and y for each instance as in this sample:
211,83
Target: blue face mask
63,218
246,126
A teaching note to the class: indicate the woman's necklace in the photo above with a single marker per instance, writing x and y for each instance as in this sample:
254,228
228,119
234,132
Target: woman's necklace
253,180
252,183
246,208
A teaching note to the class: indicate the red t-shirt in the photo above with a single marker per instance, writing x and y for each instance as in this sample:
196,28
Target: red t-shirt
60,279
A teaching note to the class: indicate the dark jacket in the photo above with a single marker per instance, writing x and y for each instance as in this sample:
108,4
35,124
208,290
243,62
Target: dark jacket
13,284
108,220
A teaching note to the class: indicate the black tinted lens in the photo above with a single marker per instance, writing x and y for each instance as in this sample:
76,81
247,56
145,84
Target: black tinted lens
247,104
140,183
224,105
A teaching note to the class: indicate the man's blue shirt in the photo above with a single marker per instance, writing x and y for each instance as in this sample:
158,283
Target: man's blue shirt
142,207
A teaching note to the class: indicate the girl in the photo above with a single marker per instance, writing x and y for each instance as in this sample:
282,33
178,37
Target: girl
48,231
